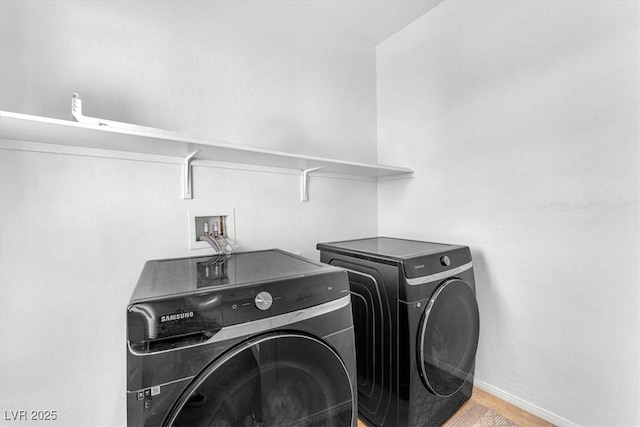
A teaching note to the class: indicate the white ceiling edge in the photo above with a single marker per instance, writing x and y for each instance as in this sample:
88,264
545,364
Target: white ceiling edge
373,20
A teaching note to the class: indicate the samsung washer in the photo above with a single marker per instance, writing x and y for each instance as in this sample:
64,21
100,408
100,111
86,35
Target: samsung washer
256,338
416,327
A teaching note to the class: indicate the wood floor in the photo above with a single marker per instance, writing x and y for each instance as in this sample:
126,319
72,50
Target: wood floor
507,410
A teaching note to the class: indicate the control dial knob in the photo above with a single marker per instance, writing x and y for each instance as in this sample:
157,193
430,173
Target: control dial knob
263,300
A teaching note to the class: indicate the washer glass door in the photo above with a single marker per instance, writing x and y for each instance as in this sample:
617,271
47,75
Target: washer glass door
274,380
448,338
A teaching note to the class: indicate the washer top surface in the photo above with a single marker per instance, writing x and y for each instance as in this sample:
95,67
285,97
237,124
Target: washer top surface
390,247
184,275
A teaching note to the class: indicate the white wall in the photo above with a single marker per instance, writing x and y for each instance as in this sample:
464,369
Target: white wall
266,74
76,230
521,120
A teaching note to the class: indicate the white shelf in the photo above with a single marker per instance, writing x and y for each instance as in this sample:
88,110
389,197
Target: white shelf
24,127
122,137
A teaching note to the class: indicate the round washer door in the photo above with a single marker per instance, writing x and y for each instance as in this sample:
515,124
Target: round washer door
273,380
448,337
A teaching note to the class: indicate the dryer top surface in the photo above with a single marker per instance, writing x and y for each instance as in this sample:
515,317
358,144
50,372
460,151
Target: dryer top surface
388,247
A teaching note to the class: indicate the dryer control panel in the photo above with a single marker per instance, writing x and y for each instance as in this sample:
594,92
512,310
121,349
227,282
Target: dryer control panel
432,264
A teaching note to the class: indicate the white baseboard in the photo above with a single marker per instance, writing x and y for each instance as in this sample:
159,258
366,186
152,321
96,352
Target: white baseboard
522,404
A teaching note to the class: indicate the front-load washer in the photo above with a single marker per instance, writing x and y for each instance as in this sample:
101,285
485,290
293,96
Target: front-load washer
416,326
255,338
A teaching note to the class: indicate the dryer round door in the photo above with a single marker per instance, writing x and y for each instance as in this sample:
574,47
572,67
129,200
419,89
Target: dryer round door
273,380
448,337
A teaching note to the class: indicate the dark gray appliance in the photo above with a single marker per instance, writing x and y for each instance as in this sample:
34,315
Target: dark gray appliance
256,338
416,327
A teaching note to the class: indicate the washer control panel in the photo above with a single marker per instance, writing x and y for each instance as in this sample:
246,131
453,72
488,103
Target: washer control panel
263,300
259,301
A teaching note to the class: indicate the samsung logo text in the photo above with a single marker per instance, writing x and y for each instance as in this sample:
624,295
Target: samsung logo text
176,316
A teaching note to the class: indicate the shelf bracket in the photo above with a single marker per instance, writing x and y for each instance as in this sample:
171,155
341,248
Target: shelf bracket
187,176
305,183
